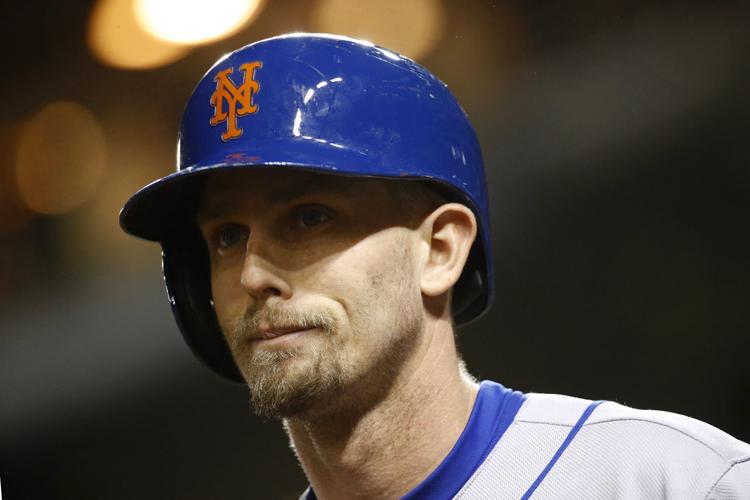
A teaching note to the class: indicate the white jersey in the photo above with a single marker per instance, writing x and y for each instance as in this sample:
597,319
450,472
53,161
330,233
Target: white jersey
546,446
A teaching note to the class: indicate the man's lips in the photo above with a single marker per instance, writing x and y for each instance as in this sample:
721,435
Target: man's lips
267,333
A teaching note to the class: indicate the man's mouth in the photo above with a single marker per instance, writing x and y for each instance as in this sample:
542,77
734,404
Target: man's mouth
272,332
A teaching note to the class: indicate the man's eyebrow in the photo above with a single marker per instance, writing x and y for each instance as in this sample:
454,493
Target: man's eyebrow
211,212
314,186
281,195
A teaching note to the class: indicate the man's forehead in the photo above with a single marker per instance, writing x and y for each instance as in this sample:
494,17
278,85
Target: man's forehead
275,185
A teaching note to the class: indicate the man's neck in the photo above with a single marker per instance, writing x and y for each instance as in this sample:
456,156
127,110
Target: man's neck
388,449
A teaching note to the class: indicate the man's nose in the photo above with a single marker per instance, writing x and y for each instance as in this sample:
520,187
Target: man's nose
261,276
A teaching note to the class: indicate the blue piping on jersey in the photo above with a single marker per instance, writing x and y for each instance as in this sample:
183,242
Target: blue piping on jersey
572,434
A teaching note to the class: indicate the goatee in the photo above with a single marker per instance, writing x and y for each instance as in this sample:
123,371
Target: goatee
287,382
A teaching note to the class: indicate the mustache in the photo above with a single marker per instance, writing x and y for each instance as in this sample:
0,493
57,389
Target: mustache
277,318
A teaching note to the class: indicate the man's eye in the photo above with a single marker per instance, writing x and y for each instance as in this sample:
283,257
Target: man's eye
229,236
309,217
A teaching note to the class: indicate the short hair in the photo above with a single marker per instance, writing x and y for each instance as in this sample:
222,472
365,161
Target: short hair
415,197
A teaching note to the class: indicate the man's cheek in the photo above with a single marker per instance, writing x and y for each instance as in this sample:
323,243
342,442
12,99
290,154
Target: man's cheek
228,310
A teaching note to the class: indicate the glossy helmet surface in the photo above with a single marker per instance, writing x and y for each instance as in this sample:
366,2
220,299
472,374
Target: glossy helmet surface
312,102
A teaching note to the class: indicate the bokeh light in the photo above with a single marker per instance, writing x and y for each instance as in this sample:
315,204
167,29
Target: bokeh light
61,158
140,150
411,28
116,38
14,216
194,21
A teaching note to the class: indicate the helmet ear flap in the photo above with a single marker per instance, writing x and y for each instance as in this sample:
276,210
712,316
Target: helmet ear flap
187,276
470,296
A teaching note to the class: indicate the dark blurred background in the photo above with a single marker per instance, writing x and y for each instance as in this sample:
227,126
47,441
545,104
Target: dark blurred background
615,138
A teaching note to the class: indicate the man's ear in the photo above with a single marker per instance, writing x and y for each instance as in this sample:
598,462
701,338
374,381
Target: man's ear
449,232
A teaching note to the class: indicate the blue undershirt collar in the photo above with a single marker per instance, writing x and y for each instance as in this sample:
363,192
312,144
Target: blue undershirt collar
493,412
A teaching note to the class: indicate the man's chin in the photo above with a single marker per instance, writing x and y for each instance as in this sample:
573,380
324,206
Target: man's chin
293,387
288,400
292,407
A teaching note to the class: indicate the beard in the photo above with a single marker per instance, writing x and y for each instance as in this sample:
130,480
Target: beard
339,368
329,374
287,382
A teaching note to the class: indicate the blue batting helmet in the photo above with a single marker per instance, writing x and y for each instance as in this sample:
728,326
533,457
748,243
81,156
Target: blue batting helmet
312,102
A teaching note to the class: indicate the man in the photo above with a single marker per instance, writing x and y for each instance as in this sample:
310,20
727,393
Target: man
326,230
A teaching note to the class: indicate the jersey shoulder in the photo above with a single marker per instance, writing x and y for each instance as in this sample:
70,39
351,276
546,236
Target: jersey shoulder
556,409
571,446
644,452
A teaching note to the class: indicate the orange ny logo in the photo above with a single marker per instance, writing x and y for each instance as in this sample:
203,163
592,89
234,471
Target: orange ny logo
226,92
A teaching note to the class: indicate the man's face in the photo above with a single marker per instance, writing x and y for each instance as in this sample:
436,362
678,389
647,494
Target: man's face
315,281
